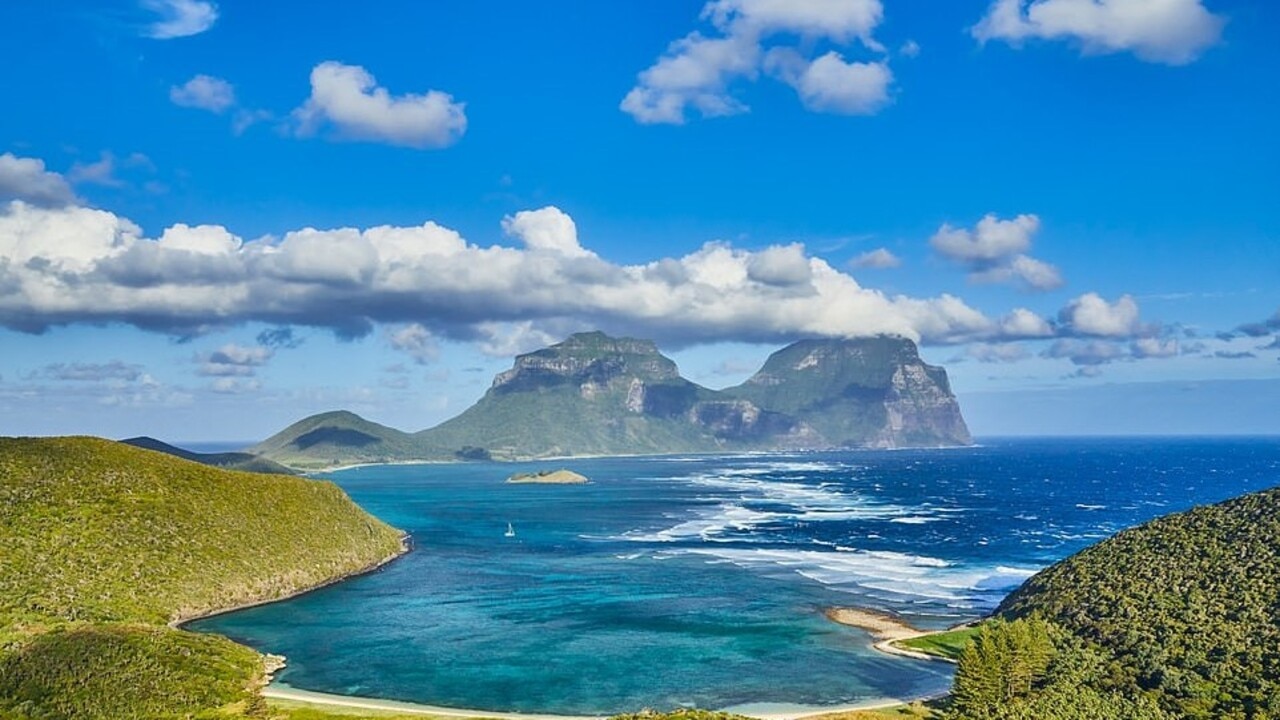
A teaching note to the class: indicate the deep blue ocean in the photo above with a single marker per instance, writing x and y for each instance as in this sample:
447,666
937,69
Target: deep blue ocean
700,581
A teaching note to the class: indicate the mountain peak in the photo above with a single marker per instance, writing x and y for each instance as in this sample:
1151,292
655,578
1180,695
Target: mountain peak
589,357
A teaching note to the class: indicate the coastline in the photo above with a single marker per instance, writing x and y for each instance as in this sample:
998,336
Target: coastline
406,546
885,630
760,711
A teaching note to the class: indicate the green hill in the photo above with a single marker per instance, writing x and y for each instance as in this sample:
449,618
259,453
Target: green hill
597,395
340,438
247,462
1176,618
104,545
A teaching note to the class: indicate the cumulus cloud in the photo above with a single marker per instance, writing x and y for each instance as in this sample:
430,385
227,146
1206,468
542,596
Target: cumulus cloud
180,18
204,92
878,259
1174,32
549,228
27,179
347,100
233,360
698,72
995,251
1022,323
75,264
1092,315
831,84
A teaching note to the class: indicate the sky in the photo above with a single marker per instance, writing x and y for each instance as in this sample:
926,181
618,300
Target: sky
219,217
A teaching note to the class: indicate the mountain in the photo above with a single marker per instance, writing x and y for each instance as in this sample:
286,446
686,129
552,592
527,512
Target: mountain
247,462
598,395
870,392
340,438
105,545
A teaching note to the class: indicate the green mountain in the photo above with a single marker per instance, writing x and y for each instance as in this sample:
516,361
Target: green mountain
103,546
340,438
870,392
1176,618
247,462
597,395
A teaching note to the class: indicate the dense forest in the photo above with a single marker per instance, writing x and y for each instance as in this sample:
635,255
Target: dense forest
1177,618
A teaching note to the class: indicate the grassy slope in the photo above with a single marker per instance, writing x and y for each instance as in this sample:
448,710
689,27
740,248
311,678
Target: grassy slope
947,645
104,544
246,462
1187,607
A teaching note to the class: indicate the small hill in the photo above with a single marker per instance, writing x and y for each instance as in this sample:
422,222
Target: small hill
864,392
339,438
1181,614
246,462
105,544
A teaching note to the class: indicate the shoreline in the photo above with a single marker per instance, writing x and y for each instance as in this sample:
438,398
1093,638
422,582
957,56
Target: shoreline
759,710
406,546
886,629
608,456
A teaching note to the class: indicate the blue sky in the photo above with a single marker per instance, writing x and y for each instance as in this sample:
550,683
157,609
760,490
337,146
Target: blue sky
216,218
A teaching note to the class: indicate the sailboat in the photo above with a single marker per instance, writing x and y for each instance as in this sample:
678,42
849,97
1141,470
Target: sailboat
511,531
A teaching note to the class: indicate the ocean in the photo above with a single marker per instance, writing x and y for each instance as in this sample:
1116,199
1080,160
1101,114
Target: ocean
700,581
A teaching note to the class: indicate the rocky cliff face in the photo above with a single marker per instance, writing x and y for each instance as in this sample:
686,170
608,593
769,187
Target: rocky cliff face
864,392
595,394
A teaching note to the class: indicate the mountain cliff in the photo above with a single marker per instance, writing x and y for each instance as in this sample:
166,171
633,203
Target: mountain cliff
598,395
867,392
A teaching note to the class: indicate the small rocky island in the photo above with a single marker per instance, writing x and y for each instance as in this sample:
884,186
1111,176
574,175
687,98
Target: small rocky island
549,477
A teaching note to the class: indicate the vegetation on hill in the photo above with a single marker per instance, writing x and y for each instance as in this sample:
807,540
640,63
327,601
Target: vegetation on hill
105,544
1177,618
597,395
244,461
341,438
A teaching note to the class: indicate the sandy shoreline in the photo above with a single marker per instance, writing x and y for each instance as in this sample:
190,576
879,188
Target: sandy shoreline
762,711
885,630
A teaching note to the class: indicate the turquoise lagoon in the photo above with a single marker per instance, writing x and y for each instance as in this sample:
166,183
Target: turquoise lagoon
700,581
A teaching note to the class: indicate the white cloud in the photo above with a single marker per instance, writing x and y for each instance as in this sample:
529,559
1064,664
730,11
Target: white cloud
1092,315
1175,32
1022,323
879,259
204,92
347,100
697,73
1152,347
910,49
27,179
233,360
181,18
830,84
549,228
416,341
71,265
995,252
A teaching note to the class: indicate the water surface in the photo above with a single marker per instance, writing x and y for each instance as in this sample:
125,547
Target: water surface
700,581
